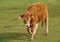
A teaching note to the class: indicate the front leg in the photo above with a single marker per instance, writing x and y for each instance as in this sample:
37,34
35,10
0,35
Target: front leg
29,30
33,29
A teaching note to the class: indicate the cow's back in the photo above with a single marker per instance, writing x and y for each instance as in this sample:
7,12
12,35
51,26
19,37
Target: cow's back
39,10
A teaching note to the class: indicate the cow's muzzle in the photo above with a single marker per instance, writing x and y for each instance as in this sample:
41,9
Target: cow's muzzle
27,25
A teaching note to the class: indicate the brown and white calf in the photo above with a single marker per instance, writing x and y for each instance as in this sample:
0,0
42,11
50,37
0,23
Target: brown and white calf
34,14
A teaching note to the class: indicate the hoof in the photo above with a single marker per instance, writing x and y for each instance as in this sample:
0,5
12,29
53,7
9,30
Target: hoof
46,34
31,38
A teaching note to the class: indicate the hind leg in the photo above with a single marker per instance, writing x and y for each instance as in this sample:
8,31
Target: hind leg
42,23
46,24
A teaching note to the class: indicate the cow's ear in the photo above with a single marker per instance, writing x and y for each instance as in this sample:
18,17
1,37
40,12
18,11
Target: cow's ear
20,16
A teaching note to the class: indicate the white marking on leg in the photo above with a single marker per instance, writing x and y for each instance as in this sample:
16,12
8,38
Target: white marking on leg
47,26
35,29
47,29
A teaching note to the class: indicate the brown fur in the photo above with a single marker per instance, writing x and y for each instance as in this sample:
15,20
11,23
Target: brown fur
38,13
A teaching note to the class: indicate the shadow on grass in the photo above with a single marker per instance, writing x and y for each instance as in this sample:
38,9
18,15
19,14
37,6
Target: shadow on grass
14,36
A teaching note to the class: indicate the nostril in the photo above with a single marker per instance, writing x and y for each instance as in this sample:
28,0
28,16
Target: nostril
27,26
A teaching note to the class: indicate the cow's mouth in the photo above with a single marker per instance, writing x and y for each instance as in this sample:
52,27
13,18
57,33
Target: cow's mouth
27,26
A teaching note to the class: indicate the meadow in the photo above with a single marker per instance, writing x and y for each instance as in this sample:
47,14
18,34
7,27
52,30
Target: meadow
12,29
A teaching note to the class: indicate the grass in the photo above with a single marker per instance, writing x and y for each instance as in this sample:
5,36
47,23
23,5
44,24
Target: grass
12,29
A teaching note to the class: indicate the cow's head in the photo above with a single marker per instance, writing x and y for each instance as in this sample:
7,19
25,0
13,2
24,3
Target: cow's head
26,18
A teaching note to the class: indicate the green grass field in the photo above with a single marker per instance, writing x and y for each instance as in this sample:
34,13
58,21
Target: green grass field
12,29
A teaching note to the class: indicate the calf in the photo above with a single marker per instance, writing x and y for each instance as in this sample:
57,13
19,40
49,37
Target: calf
34,14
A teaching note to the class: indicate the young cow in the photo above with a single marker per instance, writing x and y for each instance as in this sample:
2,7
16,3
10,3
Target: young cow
34,14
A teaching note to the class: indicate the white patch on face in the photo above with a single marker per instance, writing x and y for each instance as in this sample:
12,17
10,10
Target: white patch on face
27,25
